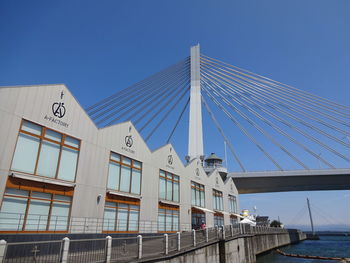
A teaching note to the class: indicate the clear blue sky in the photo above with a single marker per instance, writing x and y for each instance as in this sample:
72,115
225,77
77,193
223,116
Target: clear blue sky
99,47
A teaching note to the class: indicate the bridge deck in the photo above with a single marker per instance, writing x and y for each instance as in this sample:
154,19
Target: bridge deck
298,180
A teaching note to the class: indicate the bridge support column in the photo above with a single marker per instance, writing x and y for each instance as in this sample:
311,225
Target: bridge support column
195,136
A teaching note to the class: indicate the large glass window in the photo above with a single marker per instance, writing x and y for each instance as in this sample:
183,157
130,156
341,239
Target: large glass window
169,186
121,216
233,220
168,218
26,210
217,200
42,151
124,174
197,194
218,219
232,202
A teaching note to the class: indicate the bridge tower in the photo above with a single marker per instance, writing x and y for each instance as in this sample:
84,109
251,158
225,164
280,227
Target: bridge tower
195,133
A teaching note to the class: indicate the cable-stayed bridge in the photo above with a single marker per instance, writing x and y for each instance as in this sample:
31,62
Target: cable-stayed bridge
303,139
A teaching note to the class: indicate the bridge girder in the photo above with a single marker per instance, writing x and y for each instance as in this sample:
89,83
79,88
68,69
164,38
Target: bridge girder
286,181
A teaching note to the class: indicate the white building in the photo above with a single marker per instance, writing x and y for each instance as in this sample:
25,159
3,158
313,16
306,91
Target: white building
59,172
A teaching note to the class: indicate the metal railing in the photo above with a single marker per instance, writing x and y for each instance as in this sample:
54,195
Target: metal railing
123,249
15,222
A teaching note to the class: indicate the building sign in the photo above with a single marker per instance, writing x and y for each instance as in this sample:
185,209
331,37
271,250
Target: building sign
128,140
170,161
58,111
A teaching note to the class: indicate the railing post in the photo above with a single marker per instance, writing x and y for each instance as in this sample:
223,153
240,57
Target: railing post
166,243
217,231
206,235
178,241
3,245
194,237
64,258
108,248
139,239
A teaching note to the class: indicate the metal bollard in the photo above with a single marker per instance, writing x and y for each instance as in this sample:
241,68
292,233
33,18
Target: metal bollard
194,237
178,241
139,241
223,232
64,258
231,230
108,248
3,245
207,235
166,241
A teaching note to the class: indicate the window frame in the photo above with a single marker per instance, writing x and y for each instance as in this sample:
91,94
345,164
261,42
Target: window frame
35,187
171,213
131,166
198,189
42,138
232,202
125,202
172,178
218,200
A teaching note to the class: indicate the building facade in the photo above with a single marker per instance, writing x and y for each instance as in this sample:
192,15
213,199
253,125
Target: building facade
60,173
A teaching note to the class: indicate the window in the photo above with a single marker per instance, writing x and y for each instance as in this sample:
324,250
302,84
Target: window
232,203
169,186
198,195
217,200
28,210
121,215
42,151
124,174
168,218
218,219
233,220
198,217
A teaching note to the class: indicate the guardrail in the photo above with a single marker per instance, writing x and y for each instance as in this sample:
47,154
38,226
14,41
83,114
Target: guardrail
17,223
123,249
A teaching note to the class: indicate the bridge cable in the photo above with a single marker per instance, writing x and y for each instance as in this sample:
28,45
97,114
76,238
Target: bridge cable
140,96
151,96
135,86
285,92
166,114
218,126
310,137
319,142
273,94
258,127
154,103
166,104
178,120
245,132
159,104
293,109
159,83
163,78
277,128
278,84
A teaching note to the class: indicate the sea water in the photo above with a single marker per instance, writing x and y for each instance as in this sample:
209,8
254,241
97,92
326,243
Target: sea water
327,246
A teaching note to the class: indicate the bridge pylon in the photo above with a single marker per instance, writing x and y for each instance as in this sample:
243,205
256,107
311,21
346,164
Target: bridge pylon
195,132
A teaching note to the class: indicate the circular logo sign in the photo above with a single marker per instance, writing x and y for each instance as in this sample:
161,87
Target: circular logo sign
170,159
128,141
58,109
